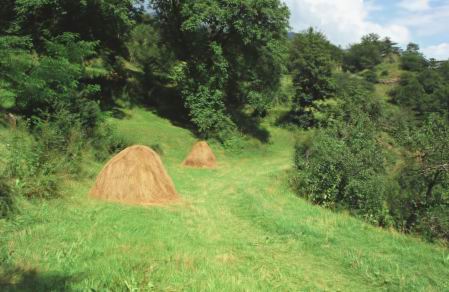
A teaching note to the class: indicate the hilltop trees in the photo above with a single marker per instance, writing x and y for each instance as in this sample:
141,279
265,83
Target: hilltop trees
424,88
368,53
412,59
230,55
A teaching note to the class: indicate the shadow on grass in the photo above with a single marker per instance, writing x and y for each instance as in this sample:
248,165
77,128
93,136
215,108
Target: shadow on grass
250,126
167,103
19,279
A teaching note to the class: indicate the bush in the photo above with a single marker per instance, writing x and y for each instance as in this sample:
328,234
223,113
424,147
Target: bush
343,166
412,59
424,178
435,223
107,142
365,55
370,76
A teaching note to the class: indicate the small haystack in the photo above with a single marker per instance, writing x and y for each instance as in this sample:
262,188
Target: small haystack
201,156
136,176
11,120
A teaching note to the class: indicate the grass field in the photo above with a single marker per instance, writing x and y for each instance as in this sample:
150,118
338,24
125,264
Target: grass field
238,228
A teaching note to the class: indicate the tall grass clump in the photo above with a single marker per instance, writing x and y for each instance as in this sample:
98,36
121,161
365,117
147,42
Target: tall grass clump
44,153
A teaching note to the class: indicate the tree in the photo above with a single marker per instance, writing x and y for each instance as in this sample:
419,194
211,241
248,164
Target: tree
389,47
311,66
424,92
364,55
230,55
425,178
343,166
412,59
409,93
107,21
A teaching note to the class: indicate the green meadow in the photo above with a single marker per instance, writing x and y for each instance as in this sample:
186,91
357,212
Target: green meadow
238,227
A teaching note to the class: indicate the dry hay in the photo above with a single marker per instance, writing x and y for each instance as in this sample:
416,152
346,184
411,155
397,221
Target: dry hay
11,120
201,156
135,176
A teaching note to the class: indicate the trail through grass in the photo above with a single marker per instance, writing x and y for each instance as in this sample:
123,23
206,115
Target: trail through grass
238,228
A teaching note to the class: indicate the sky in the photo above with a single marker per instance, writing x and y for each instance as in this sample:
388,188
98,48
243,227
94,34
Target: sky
425,22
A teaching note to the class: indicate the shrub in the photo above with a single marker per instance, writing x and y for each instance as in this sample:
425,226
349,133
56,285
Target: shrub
435,223
412,59
365,55
370,76
424,179
107,142
343,166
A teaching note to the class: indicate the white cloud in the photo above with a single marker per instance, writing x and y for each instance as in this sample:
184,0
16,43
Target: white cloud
414,5
343,21
439,52
428,23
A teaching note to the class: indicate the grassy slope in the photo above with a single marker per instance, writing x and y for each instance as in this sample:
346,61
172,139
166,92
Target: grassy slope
239,228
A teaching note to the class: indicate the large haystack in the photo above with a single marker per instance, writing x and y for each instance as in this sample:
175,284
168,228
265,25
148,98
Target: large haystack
201,156
136,176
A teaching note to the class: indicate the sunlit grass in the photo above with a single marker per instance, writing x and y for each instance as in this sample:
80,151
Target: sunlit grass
238,228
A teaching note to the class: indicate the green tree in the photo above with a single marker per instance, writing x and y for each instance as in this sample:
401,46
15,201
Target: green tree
425,178
343,166
365,55
409,93
311,66
230,55
424,92
150,61
412,59
107,21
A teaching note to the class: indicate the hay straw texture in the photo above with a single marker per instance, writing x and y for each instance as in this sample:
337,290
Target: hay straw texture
135,176
201,156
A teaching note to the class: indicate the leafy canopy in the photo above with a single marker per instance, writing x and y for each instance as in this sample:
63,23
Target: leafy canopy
230,55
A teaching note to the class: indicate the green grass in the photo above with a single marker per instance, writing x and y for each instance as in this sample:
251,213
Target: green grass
392,66
238,228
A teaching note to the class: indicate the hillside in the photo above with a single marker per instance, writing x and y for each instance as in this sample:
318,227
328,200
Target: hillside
238,228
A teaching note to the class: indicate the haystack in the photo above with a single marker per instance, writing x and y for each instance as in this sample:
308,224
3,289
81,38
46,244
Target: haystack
201,156
136,176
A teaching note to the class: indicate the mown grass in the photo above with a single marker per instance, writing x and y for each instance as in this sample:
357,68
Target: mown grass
238,228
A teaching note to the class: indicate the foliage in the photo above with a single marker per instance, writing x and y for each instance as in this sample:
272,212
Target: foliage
150,60
343,166
370,76
311,67
40,85
230,55
106,21
412,59
424,92
424,179
368,53
70,244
